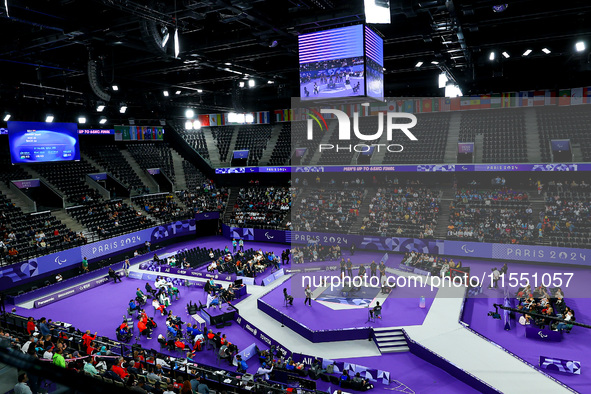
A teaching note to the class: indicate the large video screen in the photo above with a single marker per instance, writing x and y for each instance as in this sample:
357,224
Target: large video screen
332,63
374,52
38,142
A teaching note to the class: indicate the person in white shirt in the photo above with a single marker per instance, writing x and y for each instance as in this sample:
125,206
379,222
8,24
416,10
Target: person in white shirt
48,355
25,347
263,370
21,387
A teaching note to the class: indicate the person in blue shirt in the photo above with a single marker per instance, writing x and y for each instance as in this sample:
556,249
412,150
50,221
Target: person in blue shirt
43,327
133,306
234,246
242,366
241,245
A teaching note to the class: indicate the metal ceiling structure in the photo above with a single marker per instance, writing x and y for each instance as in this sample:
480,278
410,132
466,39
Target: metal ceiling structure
68,53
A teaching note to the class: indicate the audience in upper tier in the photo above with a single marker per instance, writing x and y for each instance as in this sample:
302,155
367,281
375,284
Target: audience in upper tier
261,207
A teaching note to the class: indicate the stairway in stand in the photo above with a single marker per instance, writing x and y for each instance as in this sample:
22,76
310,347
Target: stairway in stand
390,340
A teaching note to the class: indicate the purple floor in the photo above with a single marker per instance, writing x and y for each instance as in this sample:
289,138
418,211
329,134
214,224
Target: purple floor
414,372
217,242
574,346
400,309
101,309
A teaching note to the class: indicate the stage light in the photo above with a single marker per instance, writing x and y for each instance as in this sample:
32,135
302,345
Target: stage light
123,108
165,36
442,80
506,55
7,117
527,52
270,82
103,120
176,43
491,57
249,118
452,91
196,124
377,11
419,64
177,92
189,114
100,106
580,46
81,119
241,84
228,64
199,90
251,83
188,125
239,118
49,118
165,93
435,62
232,117
115,88
546,51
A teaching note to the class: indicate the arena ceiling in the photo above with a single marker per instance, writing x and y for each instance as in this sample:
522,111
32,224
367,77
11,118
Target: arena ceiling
49,43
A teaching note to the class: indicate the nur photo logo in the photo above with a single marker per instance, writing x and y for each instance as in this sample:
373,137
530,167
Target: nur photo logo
385,122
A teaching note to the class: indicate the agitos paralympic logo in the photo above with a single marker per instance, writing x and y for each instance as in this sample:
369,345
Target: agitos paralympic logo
344,131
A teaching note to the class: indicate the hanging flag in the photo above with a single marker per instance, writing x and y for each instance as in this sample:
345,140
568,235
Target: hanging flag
472,102
587,95
485,101
427,105
446,104
455,104
408,106
436,105
213,120
204,120
576,96
539,97
278,115
495,100
564,97
550,97
524,99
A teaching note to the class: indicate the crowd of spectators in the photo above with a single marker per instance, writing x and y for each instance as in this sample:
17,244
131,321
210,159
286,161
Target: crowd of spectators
26,235
403,211
205,198
261,206
547,303
331,207
501,215
163,207
567,214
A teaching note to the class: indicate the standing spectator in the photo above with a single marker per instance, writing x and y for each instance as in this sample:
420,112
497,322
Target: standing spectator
21,387
84,264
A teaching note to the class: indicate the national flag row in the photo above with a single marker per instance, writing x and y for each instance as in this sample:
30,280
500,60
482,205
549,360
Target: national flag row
574,96
261,117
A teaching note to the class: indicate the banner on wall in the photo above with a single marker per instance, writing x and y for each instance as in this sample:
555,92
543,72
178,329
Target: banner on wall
12,274
516,252
541,167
